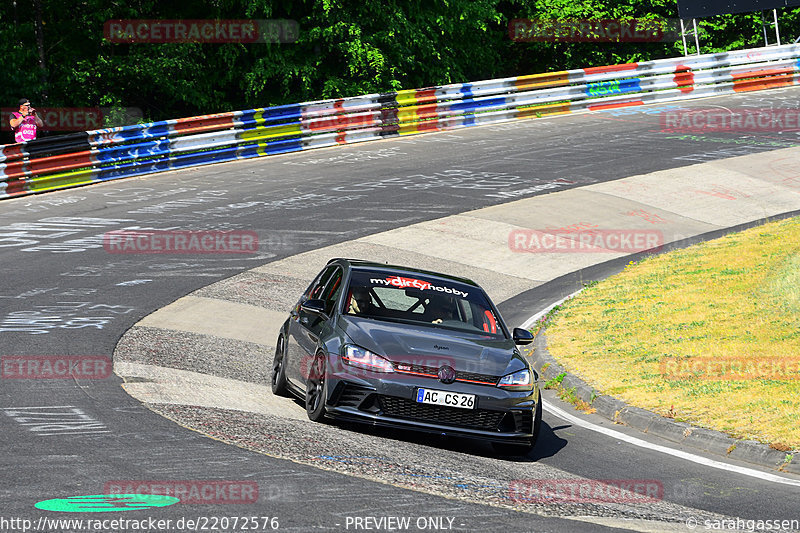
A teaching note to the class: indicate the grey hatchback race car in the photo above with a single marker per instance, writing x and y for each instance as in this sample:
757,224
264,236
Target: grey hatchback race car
405,348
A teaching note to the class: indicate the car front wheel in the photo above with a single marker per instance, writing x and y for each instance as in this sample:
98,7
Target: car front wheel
278,380
315,390
537,421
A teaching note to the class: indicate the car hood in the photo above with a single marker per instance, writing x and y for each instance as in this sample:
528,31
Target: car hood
433,347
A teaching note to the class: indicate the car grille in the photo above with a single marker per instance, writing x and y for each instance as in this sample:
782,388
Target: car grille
523,421
352,395
435,414
471,376
460,376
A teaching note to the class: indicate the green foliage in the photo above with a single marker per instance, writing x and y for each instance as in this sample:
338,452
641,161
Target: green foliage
345,48
555,382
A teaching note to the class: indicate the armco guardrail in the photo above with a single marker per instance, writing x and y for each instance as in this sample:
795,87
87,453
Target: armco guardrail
99,155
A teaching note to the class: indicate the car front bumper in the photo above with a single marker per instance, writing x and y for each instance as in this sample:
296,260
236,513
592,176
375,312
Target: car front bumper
390,400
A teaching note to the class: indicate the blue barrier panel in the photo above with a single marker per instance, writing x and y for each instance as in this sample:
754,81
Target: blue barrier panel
608,88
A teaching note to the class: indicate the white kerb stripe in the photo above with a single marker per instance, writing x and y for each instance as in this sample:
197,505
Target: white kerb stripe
669,451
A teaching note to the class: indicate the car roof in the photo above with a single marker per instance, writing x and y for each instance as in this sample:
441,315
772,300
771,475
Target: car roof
359,264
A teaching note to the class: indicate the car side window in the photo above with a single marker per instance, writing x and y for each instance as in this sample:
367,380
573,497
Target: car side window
332,290
316,290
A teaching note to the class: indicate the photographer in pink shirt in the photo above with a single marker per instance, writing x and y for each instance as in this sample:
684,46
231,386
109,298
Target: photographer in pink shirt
25,122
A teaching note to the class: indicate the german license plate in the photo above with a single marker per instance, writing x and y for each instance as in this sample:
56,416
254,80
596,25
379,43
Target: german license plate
449,399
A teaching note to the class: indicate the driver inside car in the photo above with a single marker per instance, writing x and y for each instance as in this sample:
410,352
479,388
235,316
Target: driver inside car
360,301
440,310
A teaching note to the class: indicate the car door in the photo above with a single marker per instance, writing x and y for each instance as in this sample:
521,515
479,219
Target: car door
305,328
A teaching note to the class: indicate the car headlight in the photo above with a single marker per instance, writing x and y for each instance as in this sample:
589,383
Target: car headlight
361,358
520,380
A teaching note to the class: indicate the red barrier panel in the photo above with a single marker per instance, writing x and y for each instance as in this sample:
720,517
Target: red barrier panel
684,78
339,122
16,187
60,163
610,68
14,170
11,152
757,80
221,121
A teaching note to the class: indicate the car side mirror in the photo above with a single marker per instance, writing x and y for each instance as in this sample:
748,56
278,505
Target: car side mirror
313,306
522,336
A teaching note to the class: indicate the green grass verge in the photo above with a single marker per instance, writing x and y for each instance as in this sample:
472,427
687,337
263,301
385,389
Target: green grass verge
708,335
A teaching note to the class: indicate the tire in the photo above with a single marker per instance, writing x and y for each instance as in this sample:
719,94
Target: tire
278,378
537,421
505,448
315,390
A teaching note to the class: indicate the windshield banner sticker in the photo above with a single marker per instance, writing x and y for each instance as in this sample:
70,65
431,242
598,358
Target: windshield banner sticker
399,282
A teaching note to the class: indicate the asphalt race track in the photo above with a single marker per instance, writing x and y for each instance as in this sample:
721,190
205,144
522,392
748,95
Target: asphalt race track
65,295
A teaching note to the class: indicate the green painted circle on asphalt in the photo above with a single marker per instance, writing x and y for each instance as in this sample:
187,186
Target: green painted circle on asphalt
101,503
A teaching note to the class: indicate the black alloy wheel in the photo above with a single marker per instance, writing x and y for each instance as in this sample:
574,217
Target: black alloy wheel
315,389
278,380
537,420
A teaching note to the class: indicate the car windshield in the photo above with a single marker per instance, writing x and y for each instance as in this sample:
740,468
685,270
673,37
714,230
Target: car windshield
414,298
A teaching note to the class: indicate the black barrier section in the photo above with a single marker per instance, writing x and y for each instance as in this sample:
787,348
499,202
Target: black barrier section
387,100
58,144
694,9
